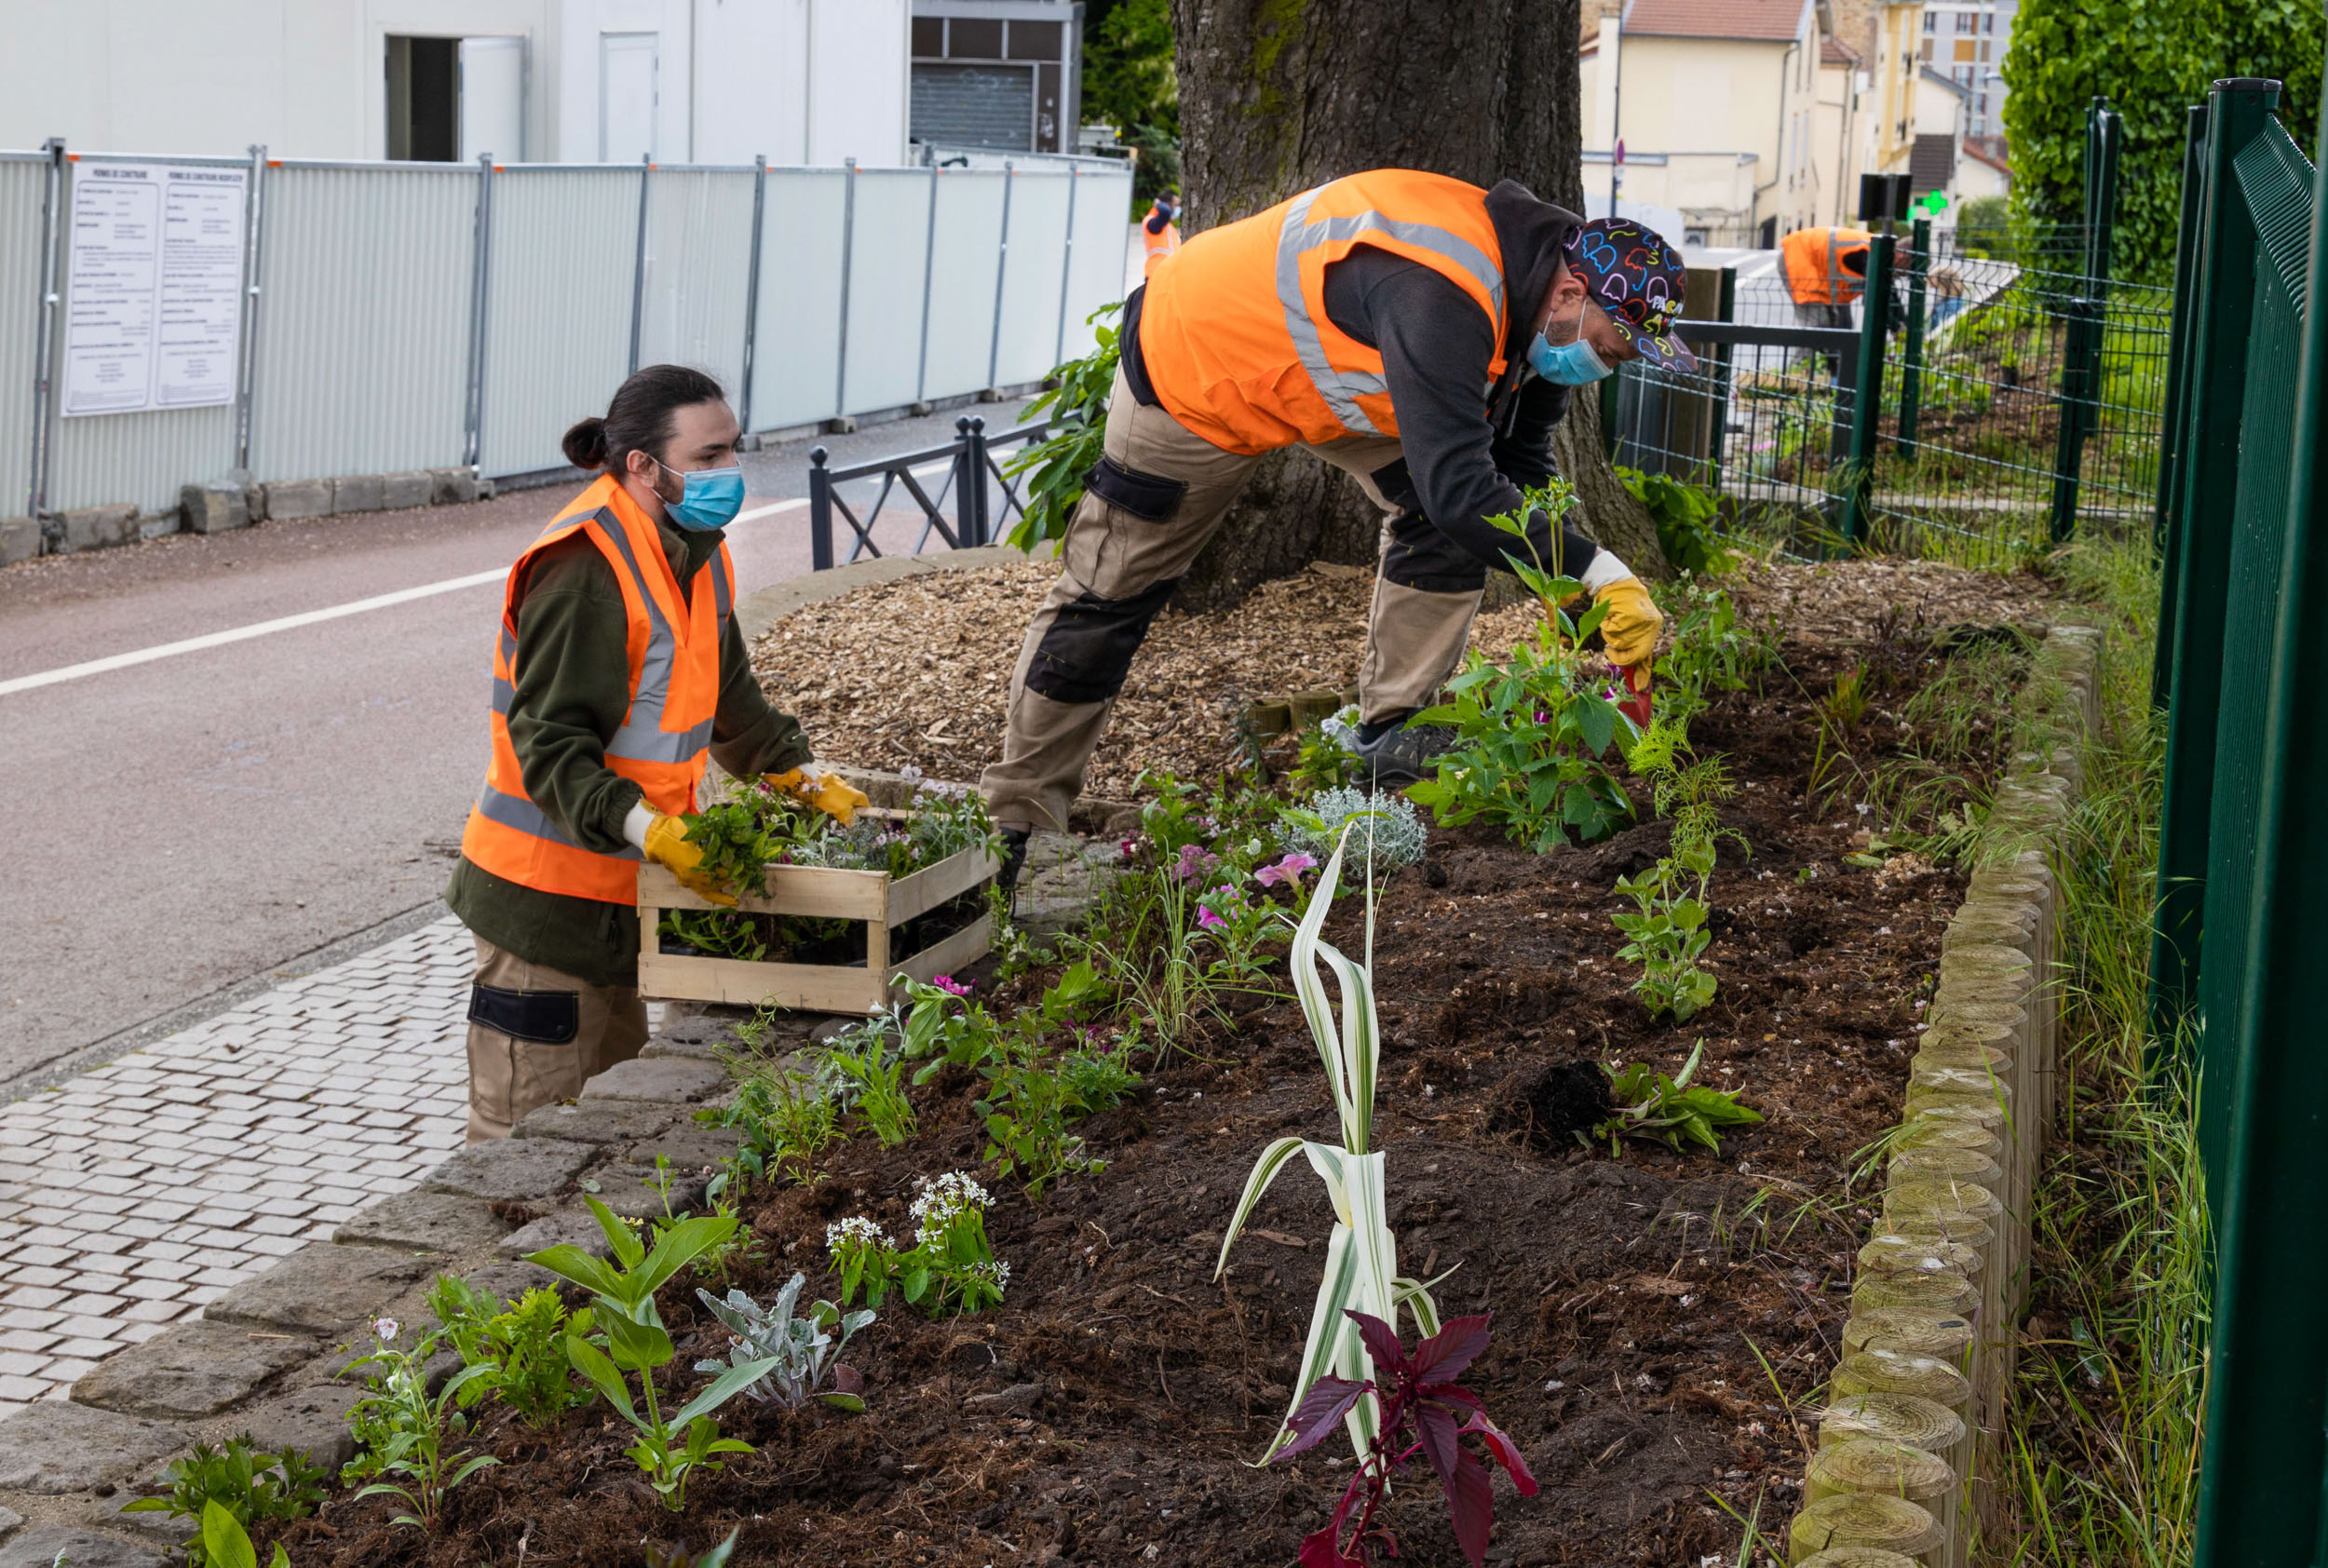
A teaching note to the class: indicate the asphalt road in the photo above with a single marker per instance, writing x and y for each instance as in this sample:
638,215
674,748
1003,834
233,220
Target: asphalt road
182,825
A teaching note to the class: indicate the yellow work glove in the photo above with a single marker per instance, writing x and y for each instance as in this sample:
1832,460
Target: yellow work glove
666,845
1630,629
823,790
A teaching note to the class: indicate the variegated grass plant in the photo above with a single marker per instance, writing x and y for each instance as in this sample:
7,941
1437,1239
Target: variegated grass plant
1361,1272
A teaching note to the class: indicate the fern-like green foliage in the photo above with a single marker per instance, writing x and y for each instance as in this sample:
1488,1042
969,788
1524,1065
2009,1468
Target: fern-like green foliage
1077,405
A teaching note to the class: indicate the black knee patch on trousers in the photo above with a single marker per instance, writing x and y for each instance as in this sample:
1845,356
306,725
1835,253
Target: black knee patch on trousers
1420,557
1085,655
546,1018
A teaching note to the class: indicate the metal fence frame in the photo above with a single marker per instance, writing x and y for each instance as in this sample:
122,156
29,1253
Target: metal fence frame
374,343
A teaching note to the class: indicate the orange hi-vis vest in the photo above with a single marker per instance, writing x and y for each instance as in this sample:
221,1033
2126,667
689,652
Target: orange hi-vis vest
1160,247
1235,333
1813,259
666,737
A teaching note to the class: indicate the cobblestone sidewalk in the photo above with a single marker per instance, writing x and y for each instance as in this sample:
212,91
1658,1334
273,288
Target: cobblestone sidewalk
136,1192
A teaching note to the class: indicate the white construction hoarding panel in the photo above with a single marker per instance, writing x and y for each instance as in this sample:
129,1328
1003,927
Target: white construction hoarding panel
1095,270
363,320
1031,277
961,284
889,246
698,267
558,308
22,180
795,371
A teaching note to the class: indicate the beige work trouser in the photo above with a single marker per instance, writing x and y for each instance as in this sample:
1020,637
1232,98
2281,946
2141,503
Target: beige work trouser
568,1032
1413,639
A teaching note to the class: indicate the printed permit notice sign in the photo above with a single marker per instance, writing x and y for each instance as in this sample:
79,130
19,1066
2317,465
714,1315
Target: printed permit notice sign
153,300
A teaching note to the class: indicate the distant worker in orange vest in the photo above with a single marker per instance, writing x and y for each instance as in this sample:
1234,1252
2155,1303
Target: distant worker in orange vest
618,673
1826,269
1158,233
1417,333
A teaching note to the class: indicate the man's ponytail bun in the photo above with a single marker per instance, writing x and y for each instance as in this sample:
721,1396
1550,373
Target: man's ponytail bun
586,444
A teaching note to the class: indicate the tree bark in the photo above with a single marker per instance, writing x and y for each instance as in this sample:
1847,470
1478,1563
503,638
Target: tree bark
1277,95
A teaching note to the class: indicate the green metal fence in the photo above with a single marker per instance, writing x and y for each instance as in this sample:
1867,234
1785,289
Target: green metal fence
2244,855
2006,392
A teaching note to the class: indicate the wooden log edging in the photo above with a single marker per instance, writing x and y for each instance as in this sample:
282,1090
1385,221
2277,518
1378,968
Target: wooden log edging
1936,1303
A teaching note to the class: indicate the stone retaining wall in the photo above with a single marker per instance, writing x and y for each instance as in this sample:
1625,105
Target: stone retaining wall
237,503
261,1358
1912,1448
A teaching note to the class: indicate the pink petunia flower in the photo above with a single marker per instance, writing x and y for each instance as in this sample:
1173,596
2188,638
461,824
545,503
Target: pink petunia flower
1207,918
950,985
1195,864
1287,871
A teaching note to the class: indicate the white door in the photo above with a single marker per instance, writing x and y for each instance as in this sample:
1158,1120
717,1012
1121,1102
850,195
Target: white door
626,97
493,98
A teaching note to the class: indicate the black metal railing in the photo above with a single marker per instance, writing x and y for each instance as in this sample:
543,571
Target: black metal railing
970,466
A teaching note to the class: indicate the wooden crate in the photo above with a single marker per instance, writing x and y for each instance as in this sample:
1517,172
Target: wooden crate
882,903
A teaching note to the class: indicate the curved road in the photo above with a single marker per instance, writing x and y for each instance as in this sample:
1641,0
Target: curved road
182,825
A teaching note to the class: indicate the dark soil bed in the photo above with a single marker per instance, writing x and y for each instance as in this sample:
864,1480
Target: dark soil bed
1656,1314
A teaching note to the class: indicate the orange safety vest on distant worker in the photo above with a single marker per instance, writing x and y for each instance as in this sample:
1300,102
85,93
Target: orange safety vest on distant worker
665,737
1813,259
1235,333
1159,247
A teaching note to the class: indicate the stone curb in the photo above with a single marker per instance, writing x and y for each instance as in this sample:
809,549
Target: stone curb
1929,1350
236,501
261,1359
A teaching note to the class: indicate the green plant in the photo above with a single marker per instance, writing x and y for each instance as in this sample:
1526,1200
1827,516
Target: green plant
1027,1106
623,1285
1328,757
803,1347
522,1342
1362,1274
1529,733
871,1082
402,1428
1685,515
1390,835
786,1122
951,1268
223,1542
1076,402
1650,1104
247,1487
1665,935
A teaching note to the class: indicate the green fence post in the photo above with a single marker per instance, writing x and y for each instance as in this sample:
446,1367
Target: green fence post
2260,1487
1858,476
1725,309
1912,355
2173,425
2222,302
2079,352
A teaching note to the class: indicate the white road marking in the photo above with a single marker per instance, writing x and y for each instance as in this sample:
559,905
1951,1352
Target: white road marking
305,618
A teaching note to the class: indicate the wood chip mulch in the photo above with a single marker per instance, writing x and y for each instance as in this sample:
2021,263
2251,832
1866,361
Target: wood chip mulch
916,670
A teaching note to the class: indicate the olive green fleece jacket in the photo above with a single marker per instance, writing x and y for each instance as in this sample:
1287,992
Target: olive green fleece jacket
571,693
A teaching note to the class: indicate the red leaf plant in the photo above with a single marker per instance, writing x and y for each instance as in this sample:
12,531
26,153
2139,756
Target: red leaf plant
1424,1410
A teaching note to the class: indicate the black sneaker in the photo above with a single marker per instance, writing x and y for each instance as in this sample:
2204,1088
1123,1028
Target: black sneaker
1013,857
1406,755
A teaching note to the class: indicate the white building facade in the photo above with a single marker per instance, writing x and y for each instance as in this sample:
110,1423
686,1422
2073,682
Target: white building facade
540,81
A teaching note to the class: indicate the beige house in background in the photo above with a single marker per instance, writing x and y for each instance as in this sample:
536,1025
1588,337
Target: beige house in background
1744,120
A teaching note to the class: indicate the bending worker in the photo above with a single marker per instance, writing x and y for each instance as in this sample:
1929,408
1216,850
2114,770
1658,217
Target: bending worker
1826,269
619,668
1159,236
1417,333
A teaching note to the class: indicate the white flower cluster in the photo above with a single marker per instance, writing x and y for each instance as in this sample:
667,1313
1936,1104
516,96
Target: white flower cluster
1395,833
998,1271
855,1229
942,1201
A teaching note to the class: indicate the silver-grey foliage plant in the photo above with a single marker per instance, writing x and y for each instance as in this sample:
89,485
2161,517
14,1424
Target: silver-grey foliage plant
803,1347
1386,821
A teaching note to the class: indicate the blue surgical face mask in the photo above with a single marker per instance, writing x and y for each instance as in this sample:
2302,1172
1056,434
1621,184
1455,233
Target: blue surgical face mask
709,498
1568,364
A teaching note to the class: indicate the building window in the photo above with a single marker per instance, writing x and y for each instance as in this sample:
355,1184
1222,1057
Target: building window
1931,21
1928,49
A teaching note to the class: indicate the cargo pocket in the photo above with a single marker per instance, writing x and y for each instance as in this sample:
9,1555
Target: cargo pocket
547,1018
1150,497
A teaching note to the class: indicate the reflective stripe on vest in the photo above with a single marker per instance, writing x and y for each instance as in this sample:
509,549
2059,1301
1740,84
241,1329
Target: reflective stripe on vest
1342,388
674,679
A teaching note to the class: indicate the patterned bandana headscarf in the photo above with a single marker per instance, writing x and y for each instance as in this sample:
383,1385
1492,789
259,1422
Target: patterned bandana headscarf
1633,275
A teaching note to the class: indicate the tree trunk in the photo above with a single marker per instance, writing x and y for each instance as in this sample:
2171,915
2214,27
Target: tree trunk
1277,95
1607,511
